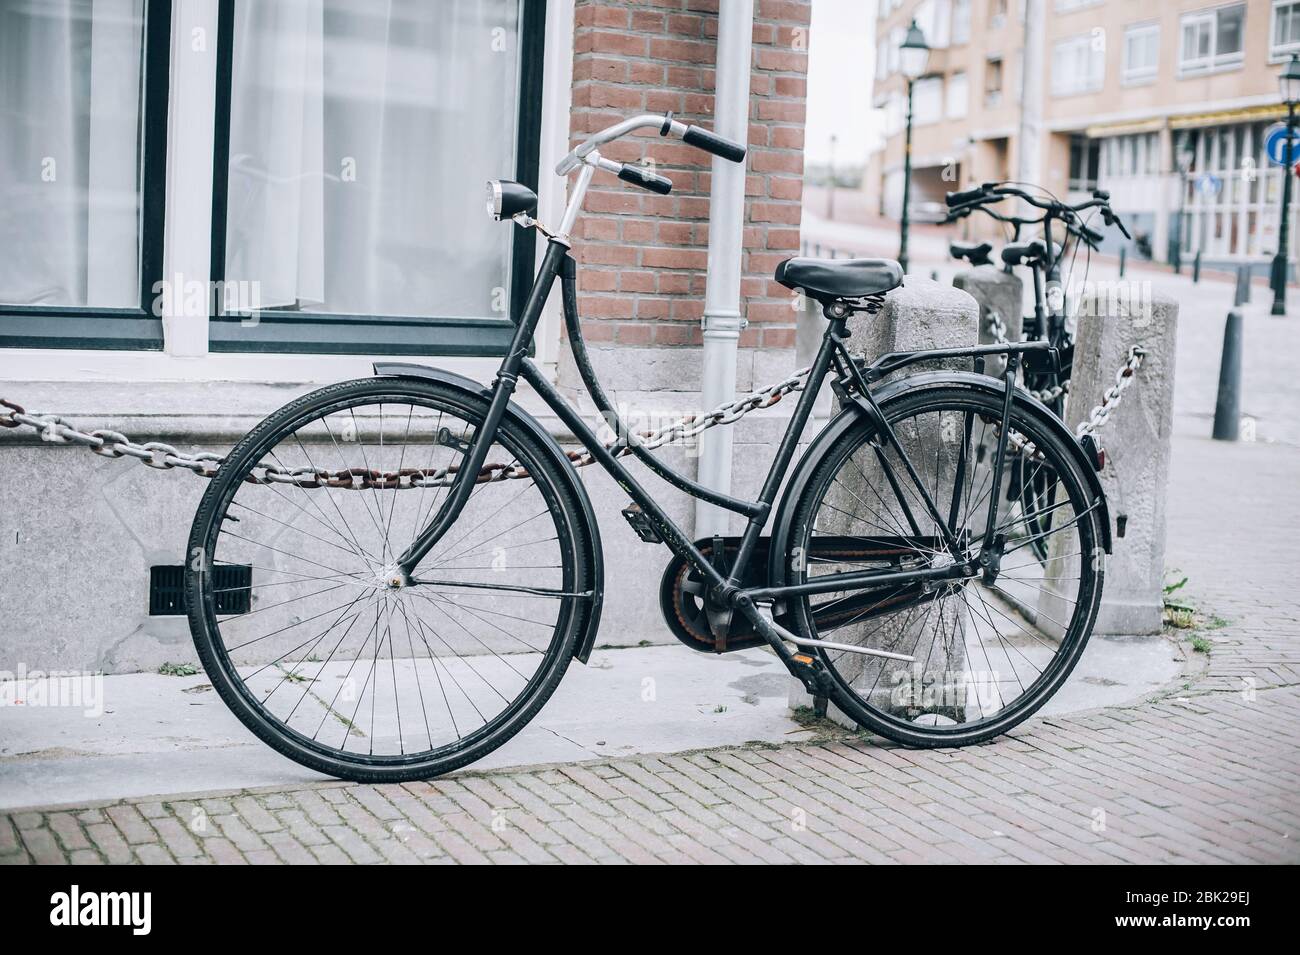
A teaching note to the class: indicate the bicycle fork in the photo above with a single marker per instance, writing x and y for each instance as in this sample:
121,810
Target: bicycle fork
502,391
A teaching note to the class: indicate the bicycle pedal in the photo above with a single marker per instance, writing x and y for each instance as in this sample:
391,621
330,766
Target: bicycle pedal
641,523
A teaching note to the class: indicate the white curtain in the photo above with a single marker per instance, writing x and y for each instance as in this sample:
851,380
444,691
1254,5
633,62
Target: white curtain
70,94
362,132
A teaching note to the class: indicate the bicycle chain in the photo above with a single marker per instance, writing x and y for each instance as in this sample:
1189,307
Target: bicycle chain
157,454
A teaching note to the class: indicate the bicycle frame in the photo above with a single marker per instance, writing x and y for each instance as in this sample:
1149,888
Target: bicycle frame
852,380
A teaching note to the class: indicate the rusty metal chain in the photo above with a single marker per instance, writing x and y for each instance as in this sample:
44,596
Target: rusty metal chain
693,425
1113,395
157,454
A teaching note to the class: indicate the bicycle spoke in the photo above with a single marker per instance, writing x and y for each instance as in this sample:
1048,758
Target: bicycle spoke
953,629
327,609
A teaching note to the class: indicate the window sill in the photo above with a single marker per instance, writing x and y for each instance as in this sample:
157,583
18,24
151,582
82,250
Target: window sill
71,367
1194,73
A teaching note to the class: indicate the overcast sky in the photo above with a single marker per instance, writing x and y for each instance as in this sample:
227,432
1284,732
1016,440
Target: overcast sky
841,63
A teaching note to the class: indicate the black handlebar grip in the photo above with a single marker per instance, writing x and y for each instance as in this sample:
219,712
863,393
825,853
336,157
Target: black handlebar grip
1110,218
1091,236
958,198
713,143
638,176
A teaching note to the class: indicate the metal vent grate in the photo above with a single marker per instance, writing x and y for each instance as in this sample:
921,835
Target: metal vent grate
232,582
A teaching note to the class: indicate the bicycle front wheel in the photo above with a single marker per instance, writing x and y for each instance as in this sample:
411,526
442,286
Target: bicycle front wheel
293,555
986,652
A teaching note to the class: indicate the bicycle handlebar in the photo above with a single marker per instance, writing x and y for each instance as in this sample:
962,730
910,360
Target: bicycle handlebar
713,143
644,178
961,204
691,135
961,198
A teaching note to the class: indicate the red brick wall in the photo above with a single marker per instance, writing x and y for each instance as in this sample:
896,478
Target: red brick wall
643,255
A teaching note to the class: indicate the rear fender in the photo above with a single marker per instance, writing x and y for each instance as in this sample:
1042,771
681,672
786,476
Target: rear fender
589,621
853,415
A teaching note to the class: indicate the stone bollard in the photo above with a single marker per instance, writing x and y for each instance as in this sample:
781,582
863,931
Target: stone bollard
999,294
1137,439
923,314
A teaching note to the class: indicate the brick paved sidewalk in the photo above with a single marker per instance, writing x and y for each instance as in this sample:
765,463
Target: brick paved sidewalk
1207,773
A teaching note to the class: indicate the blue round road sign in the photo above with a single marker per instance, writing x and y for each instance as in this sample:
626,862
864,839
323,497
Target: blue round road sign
1275,145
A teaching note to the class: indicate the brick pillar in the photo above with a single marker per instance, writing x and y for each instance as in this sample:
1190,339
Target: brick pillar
642,256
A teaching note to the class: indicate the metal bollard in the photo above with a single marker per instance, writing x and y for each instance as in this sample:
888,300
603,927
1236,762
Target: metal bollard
1123,257
1196,267
1227,405
1242,295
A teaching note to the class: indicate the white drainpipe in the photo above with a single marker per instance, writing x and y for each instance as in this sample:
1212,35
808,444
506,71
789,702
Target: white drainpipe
722,320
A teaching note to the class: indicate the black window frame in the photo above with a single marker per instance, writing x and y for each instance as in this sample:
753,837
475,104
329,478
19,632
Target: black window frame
334,333
132,329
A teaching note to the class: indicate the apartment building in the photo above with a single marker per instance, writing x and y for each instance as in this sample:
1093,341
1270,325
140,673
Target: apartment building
1164,104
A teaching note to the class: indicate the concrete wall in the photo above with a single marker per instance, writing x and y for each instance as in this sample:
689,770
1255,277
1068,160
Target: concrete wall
81,531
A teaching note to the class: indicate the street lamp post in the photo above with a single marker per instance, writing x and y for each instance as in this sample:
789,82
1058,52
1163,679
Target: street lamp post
913,55
1289,83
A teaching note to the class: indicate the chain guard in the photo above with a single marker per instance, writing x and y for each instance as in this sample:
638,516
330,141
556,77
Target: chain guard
693,618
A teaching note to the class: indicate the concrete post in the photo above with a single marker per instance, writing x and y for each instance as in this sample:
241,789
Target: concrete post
1137,439
924,314
999,294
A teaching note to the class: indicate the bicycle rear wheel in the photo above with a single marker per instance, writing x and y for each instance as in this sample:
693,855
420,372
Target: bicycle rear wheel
290,582
986,653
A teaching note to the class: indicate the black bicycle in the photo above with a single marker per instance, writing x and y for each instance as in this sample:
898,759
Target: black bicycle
1043,257
389,576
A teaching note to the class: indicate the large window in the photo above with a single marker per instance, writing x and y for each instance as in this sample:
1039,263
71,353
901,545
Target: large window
1227,214
1212,39
1141,53
82,147
358,137
927,100
960,22
1286,28
1085,158
1135,154
958,96
1078,65
993,82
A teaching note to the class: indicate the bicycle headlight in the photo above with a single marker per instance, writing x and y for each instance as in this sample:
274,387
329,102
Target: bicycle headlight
506,199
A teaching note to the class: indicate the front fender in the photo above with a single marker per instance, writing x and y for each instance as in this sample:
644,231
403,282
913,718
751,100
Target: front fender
589,623
852,416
